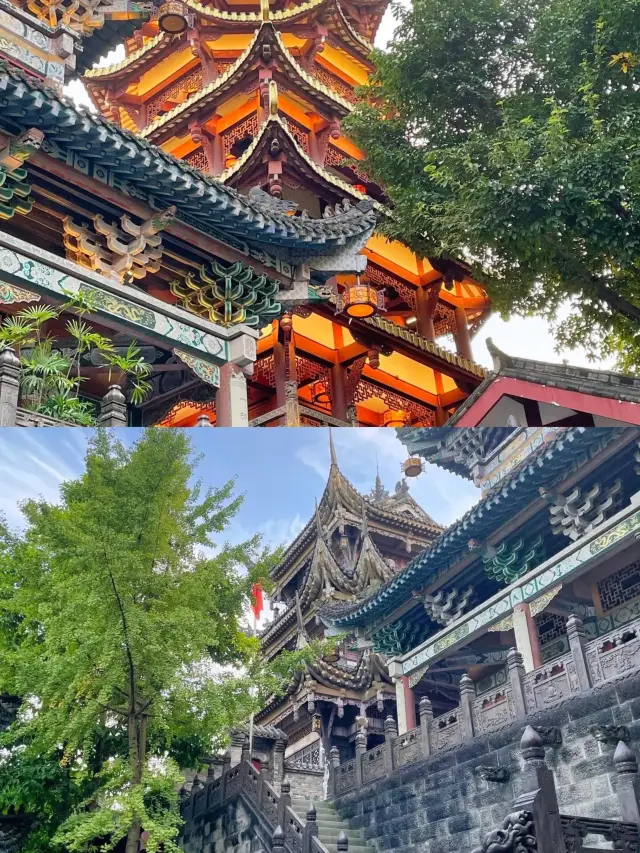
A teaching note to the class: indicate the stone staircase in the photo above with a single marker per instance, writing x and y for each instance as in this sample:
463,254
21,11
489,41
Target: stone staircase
330,825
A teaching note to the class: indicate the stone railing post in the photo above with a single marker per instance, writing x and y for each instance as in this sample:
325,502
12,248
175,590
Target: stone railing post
390,734
226,766
343,842
113,408
627,786
245,753
577,639
334,763
515,669
426,718
310,829
278,763
237,745
361,748
9,387
277,840
467,695
539,794
284,801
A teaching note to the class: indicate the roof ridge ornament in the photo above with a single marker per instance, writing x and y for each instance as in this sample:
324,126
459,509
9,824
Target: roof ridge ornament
265,10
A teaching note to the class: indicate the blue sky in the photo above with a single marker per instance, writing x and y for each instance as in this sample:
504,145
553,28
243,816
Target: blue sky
281,471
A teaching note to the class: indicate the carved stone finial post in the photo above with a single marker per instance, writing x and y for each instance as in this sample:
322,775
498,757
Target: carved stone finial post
197,784
278,762
285,801
577,637
245,754
237,747
334,763
310,828
390,734
627,786
426,718
113,408
226,761
361,748
277,840
343,842
515,668
539,794
467,695
9,387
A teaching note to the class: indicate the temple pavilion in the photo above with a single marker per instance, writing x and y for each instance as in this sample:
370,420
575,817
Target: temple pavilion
545,565
217,215
354,545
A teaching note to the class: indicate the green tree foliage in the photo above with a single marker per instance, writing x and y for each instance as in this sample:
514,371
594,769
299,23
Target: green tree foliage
50,379
121,628
506,132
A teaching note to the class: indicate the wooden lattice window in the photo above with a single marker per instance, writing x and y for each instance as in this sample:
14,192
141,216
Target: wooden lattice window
620,587
198,159
334,83
300,135
177,92
339,160
264,371
416,411
246,127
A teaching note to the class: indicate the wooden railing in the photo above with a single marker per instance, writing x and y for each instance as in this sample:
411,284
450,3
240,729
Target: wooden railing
588,663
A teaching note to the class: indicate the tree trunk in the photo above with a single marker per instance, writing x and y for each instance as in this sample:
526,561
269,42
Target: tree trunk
136,750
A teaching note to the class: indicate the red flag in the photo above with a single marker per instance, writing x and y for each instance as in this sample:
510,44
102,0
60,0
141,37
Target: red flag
257,599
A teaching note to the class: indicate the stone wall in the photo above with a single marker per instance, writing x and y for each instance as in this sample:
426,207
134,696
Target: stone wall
443,804
305,784
233,831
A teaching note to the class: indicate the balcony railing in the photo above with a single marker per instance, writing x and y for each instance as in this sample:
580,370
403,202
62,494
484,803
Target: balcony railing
588,663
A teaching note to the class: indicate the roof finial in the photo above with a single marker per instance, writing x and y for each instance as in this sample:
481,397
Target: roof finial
378,491
302,640
318,519
332,449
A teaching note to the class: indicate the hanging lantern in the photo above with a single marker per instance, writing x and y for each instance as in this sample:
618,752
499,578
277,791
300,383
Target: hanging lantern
360,299
360,188
230,160
173,17
394,418
412,467
320,393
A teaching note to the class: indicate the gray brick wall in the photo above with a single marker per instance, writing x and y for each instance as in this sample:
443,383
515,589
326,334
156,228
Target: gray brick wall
306,785
441,805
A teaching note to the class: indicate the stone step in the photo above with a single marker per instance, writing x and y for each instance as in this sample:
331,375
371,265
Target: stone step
333,848
332,837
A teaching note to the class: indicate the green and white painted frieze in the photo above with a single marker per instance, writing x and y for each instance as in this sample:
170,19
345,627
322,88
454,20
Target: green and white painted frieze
529,588
22,276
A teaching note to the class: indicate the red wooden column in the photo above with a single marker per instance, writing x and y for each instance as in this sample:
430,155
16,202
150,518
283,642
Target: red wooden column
338,392
231,397
527,640
424,314
463,338
405,705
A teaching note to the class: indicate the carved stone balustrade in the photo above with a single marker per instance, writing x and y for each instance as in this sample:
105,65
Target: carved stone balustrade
606,658
277,825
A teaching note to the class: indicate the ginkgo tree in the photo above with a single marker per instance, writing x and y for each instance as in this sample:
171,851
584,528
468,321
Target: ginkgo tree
121,627
506,132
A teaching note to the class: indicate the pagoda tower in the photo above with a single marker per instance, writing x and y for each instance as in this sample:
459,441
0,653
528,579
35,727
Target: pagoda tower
252,93
352,545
